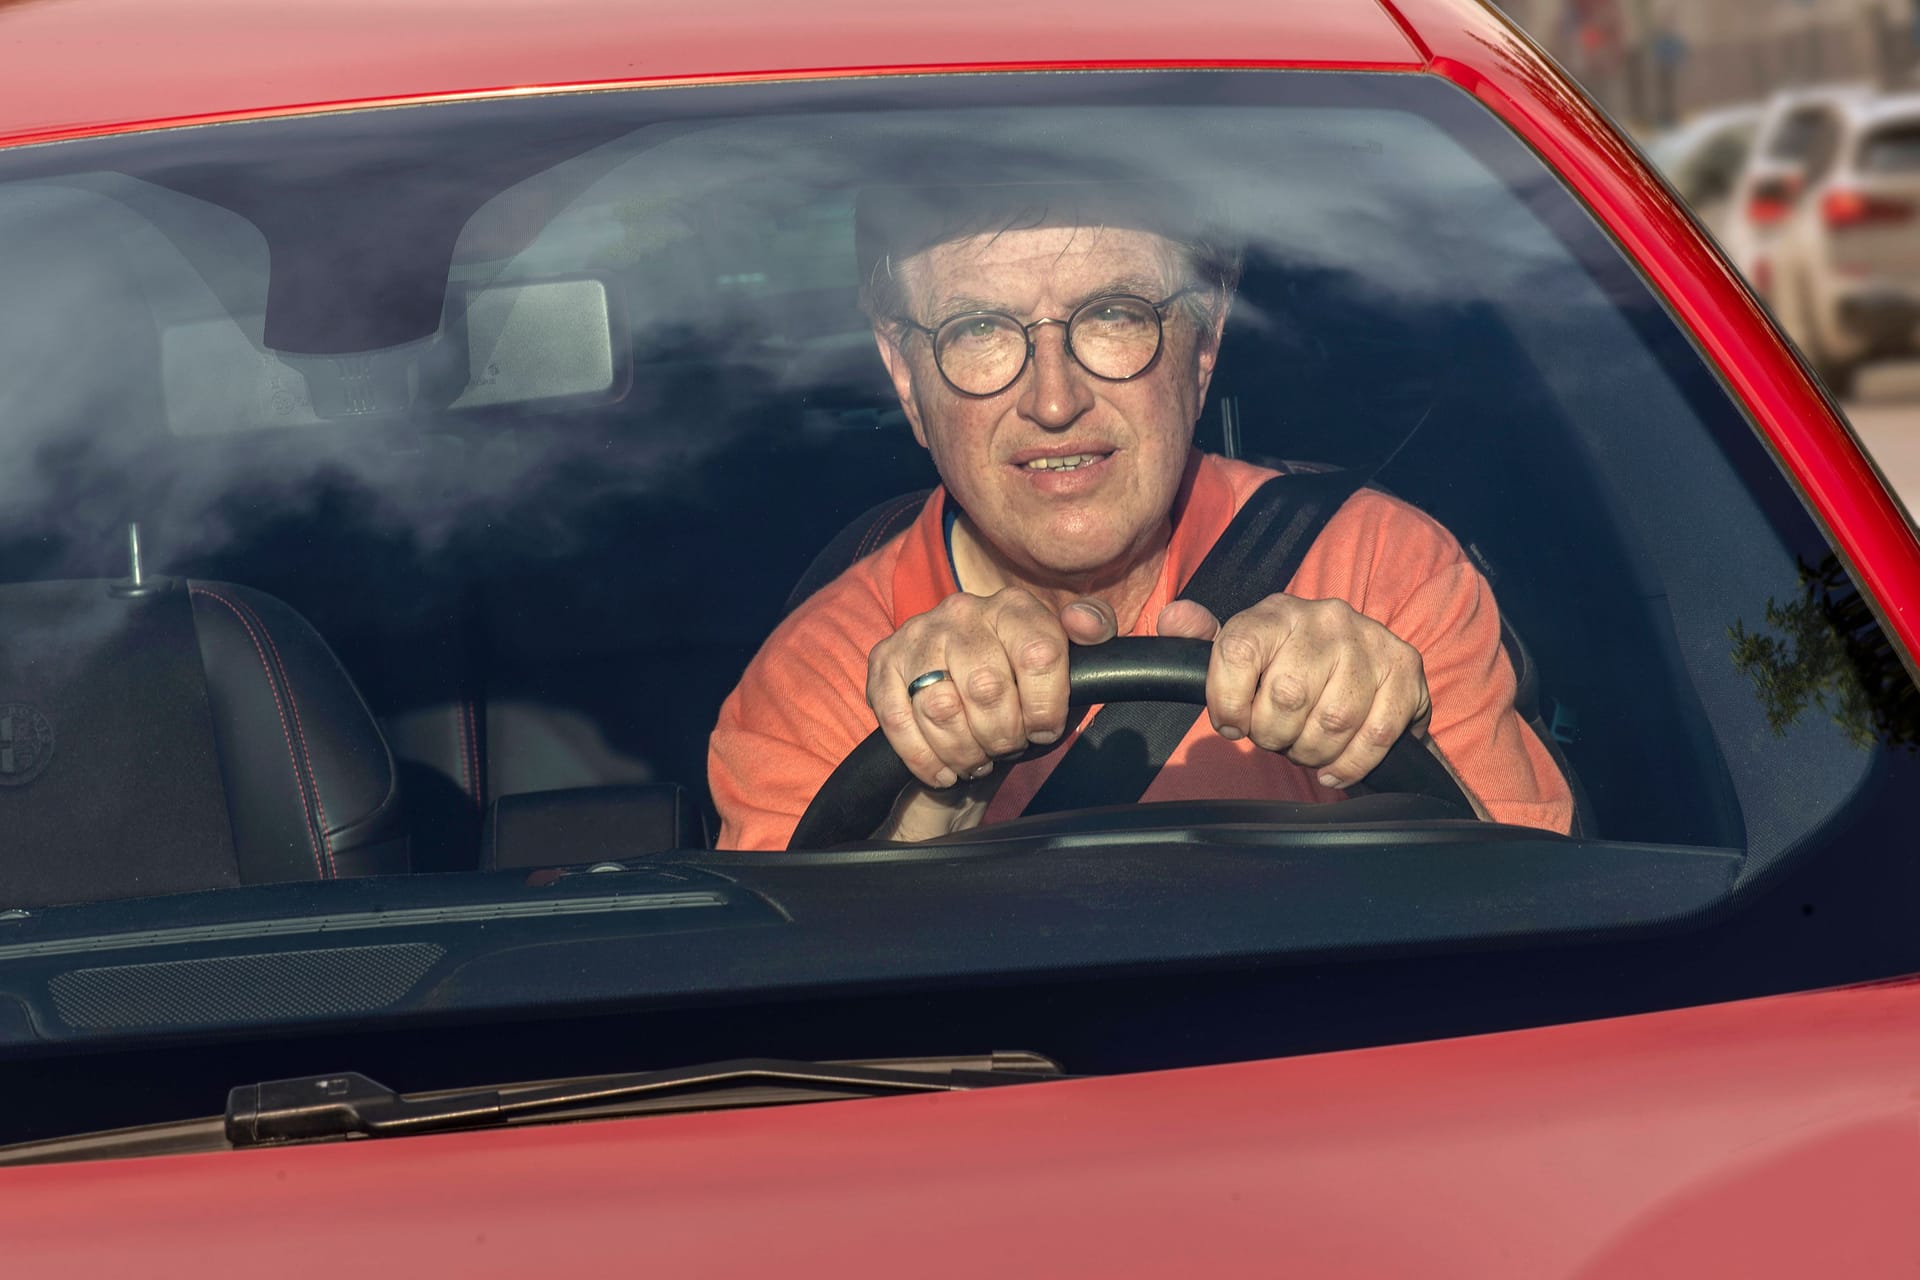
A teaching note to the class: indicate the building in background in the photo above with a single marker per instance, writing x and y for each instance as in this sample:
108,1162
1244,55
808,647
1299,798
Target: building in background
1652,63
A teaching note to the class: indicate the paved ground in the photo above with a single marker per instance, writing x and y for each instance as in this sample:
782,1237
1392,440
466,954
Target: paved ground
1886,413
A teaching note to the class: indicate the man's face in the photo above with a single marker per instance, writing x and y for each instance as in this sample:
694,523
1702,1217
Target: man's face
1110,512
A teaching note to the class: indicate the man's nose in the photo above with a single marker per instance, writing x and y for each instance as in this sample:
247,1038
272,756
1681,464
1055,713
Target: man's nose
1057,393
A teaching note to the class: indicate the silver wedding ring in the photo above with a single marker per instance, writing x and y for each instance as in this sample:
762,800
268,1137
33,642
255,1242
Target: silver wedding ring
926,681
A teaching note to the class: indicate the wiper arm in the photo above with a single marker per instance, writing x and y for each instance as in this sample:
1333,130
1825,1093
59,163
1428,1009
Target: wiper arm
348,1104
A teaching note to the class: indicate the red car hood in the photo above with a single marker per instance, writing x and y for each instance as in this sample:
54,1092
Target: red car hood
1772,1137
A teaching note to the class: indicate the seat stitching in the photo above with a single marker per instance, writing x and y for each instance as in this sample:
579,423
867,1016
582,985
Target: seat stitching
862,547
472,735
885,518
267,671
909,503
460,745
306,752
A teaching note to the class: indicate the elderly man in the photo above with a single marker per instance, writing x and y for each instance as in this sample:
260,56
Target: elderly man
1052,353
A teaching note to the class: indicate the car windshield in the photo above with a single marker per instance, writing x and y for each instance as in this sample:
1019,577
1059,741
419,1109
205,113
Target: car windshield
475,449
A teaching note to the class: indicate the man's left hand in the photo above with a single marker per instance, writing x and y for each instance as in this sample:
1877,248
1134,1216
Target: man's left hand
1315,680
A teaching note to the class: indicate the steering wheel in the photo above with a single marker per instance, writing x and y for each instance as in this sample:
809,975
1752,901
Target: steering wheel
857,797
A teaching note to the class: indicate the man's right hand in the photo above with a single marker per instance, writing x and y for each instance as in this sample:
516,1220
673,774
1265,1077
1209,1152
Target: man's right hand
1005,656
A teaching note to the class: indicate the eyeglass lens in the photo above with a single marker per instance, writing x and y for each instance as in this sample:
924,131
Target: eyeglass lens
1114,338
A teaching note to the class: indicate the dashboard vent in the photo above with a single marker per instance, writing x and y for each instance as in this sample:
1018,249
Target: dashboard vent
274,986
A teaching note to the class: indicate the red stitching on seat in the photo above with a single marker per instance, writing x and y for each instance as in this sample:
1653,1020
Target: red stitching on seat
885,518
471,733
860,548
460,744
306,752
292,758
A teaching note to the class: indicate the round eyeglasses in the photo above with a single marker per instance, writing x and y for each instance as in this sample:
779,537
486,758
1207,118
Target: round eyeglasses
1114,337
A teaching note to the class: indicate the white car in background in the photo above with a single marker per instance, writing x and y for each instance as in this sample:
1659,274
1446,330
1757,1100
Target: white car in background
1705,157
1797,142
1842,273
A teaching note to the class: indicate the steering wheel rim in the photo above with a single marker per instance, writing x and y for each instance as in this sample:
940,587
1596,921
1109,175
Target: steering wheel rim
859,794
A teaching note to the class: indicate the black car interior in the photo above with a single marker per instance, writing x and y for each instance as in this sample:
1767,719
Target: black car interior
598,597
207,738
542,606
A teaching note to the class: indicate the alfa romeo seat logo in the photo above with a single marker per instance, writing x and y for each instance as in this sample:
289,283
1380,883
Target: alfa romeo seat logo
26,744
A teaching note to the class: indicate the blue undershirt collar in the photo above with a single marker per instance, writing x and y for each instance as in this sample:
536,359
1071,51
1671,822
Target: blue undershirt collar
949,518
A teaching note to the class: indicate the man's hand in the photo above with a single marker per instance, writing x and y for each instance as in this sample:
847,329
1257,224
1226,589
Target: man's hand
1314,680
1005,656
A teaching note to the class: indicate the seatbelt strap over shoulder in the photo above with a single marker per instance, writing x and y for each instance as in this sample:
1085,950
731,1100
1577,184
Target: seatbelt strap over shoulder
1122,749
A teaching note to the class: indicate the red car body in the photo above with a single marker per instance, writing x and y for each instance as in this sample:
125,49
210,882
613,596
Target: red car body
1773,1137
1765,1138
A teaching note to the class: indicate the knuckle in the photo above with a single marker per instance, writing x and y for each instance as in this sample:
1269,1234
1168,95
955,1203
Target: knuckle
1337,719
986,687
1378,736
1286,692
1041,655
1277,606
940,705
896,721
957,614
1236,647
1329,619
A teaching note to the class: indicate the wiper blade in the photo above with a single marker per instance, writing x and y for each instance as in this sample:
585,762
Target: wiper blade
348,1104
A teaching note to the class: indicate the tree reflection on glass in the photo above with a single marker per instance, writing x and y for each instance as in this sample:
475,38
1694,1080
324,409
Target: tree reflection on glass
1826,649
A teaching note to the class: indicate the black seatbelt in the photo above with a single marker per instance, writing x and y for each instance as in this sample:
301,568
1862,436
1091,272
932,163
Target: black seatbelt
1122,749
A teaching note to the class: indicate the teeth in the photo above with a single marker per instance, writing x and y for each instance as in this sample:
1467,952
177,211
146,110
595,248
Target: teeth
1063,464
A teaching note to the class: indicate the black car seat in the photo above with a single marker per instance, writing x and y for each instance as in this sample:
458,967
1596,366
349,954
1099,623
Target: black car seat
180,735
878,525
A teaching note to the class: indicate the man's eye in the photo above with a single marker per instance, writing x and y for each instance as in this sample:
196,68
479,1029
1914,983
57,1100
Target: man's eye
976,330
1116,315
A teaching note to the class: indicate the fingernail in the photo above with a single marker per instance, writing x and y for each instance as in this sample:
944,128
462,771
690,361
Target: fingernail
1044,736
982,771
1230,733
1088,611
1331,780
944,779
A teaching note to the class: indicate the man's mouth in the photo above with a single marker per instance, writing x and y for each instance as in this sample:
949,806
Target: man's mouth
1067,463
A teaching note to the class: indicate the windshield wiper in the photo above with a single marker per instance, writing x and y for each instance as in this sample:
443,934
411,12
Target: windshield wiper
349,1105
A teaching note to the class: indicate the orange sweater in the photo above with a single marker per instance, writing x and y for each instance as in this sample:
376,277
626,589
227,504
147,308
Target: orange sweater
801,706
